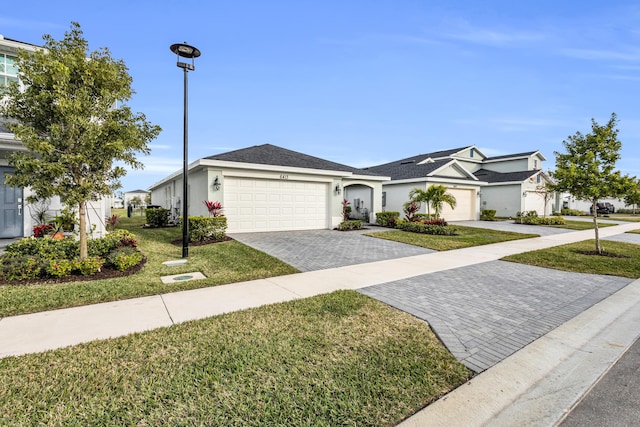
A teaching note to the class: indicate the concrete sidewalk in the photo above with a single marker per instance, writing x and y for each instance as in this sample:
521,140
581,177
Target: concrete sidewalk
497,390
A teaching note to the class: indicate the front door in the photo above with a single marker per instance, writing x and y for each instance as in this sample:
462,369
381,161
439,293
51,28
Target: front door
11,221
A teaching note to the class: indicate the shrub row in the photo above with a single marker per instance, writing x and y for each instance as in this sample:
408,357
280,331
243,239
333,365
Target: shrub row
572,212
157,217
387,219
352,224
532,218
425,228
203,228
488,215
32,258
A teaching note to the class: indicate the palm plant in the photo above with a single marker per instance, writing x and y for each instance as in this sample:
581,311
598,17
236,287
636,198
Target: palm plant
435,197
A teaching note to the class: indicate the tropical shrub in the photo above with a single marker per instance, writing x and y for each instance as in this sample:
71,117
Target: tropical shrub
46,248
15,266
124,258
420,227
214,208
59,267
157,217
88,266
346,210
532,218
42,230
354,224
410,210
572,212
387,219
488,215
202,228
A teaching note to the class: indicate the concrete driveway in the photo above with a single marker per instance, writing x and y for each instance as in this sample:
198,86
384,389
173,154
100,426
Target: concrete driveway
312,250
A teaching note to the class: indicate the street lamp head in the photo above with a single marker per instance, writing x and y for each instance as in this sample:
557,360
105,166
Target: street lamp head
186,51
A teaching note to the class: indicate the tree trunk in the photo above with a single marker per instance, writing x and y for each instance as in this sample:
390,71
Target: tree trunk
82,214
594,207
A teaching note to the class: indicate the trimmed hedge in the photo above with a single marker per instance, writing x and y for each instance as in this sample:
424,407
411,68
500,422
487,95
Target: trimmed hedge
488,215
425,228
353,224
203,228
387,219
532,218
157,217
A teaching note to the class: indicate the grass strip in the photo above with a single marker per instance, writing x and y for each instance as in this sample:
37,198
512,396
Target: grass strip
222,263
335,359
466,237
581,225
570,257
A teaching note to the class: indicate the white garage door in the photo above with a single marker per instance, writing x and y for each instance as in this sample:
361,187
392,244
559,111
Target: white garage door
465,205
274,205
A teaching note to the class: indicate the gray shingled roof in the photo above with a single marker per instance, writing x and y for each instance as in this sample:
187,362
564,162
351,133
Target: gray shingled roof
408,169
267,154
508,156
493,177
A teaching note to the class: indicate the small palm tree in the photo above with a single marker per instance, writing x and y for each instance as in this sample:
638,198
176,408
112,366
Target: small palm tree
435,197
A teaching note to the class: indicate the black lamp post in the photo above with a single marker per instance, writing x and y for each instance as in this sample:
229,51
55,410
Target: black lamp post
186,51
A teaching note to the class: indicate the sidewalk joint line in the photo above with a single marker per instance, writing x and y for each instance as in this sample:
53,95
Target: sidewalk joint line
167,309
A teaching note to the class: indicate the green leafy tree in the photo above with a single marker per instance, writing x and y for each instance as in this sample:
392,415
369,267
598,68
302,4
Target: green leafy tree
632,198
435,197
587,169
66,117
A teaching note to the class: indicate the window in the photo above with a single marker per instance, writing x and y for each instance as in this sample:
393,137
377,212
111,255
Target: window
8,69
535,164
472,152
538,179
384,199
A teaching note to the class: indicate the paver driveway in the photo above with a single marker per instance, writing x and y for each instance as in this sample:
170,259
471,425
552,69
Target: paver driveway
312,250
485,312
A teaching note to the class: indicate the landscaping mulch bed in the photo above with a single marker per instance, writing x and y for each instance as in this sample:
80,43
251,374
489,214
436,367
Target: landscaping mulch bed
104,273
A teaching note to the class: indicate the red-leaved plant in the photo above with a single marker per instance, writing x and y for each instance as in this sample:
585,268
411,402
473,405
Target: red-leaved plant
214,208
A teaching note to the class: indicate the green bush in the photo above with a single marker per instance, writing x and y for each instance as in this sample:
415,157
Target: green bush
116,239
59,267
572,212
419,227
14,266
157,217
124,258
424,217
88,266
203,228
387,219
353,224
532,218
46,248
488,215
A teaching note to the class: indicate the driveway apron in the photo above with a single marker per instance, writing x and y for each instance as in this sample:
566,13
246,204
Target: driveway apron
312,250
485,312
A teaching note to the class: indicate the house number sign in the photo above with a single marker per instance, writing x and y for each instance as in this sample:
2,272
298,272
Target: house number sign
284,176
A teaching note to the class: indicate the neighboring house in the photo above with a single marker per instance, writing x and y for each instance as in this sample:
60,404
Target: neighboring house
567,201
508,184
140,194
17,216
269,188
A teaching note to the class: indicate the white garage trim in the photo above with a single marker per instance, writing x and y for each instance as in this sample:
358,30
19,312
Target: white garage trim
465,205
252,205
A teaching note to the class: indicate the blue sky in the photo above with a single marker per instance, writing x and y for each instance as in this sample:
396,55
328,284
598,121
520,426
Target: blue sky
365,82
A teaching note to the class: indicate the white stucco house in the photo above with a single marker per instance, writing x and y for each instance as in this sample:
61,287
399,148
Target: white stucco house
270,188
507,184
16,215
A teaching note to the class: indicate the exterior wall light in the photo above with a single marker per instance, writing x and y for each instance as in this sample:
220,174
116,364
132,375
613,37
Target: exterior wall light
337,189
216,183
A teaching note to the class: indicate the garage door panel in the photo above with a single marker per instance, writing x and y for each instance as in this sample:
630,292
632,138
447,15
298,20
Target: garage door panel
271,205
465,205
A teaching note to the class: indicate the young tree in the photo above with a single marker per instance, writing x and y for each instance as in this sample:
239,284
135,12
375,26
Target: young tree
632,198
586,170
66,117
546,193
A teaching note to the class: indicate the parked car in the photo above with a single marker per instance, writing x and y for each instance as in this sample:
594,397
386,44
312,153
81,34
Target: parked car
610,207
601,208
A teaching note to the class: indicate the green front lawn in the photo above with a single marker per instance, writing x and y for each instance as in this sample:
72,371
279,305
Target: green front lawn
467,237
335,359
222,263
581,225
569,258
634,231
